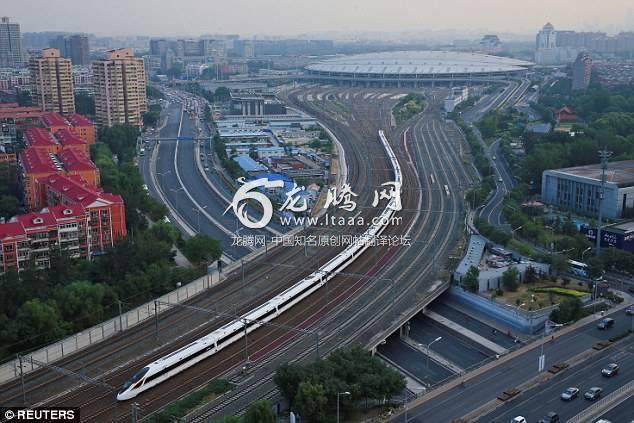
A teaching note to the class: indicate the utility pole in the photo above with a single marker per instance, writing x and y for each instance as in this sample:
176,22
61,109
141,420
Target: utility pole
604,155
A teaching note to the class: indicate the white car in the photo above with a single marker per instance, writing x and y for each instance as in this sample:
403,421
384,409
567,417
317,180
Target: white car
518,419
570,393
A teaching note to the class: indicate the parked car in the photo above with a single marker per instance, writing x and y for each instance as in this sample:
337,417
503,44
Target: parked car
593,393
610,370
551,417
630,310
570,393
519,419
606,323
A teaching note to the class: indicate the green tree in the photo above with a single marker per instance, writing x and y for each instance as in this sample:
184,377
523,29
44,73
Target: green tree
9,206
311,402
287,378
595,267
569,310
83,303
260,412
222,94
40,320
202,248
558,264
531,275
510,278
471,280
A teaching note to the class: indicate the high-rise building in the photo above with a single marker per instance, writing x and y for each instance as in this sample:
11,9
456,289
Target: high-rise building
11,54
52,82
73,47
119,82
581,71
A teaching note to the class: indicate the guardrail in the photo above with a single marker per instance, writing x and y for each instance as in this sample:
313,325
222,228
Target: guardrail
596,409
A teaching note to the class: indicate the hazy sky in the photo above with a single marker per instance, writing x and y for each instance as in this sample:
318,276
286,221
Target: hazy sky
291,17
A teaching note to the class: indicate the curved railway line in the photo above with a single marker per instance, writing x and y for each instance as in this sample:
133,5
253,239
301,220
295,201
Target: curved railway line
88,396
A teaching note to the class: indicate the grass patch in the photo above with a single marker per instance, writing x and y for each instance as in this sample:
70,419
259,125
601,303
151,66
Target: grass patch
566,292
180,408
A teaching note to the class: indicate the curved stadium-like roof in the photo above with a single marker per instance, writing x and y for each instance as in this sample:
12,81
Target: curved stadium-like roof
418,63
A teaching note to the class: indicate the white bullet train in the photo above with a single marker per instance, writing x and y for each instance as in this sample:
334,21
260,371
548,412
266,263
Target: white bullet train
185,357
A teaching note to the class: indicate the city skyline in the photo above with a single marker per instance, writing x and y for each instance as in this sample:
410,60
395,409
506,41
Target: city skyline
293,18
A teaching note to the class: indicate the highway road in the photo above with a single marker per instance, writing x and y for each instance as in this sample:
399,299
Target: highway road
544,398
459,401
182,186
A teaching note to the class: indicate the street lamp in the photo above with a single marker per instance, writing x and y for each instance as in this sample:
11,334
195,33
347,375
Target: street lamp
177,190
161,174
198,210
583,253
338,395
428,349
515,230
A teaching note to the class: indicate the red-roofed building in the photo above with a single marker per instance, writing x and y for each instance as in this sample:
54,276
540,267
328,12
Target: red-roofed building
21,117
70,140
83,127
32,236
106,212
41,139
35,163
13,246
565,114
54,121
78,163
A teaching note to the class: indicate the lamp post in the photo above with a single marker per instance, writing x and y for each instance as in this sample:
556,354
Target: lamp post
428,349
583,253
338,395
515,230
198,210
161,174
177,190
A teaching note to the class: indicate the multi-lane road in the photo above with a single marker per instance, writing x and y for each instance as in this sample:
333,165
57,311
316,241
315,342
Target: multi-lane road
458,401
172,175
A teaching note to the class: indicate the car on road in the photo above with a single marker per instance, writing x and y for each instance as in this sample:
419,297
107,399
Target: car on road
606,323
570,393
603,421
551,417
494,158
500,179
630,310
519,419
593,393
610,370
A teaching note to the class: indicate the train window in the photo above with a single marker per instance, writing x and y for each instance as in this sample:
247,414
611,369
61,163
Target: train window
134,379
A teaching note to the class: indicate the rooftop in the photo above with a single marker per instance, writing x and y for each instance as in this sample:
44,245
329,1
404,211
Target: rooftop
419,62
67,137
11,230
248,164
35,160
74,190
76,119
75,161
619,173
38,137
53,119
474,254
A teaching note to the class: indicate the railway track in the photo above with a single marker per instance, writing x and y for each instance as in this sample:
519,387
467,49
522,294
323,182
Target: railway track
74,398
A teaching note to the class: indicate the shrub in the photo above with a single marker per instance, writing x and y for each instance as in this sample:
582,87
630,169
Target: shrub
562,291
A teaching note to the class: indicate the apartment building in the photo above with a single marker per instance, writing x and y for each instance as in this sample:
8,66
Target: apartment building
119,83
52,82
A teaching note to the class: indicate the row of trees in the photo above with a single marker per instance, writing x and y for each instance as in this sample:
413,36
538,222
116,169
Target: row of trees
312,389
408,107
